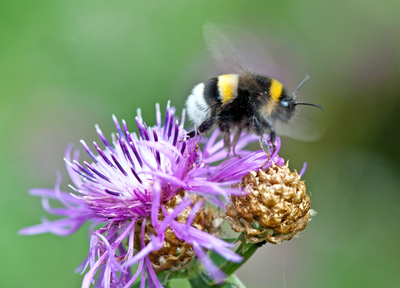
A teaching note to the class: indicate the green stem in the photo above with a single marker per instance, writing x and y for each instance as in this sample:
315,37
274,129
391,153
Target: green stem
244,250
230,267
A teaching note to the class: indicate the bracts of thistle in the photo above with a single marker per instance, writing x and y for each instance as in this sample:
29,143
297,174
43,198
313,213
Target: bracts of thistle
275,208
145,195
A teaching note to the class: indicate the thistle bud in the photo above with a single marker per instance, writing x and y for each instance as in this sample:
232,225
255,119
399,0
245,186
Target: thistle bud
276,207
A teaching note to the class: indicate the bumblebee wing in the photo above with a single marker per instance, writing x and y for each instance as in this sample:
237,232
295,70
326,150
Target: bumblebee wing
236,50
226,55
301,129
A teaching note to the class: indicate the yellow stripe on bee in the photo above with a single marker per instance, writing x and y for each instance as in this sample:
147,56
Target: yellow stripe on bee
275,90
227,86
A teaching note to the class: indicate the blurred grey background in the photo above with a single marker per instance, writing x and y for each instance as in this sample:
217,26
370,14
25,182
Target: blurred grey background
67,65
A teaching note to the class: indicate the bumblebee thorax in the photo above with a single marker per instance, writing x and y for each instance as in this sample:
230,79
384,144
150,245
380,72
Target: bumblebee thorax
275,89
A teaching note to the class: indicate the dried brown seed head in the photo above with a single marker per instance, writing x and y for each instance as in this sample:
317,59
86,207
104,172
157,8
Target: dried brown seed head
275,208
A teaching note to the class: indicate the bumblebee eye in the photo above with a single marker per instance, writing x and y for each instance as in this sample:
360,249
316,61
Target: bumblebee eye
285,103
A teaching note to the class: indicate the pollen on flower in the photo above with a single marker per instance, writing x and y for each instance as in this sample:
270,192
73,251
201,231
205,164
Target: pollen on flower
276,207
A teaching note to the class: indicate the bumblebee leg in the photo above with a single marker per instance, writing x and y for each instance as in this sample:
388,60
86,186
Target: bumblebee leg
227,142
204,127
224,128
236,138
207,124
260,132
191,134
272,134
265,147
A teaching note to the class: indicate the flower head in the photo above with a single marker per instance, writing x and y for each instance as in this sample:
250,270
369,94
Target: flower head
276,207
141,188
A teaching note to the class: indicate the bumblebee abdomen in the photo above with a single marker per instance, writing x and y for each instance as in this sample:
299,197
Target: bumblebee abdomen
207,97
222,89
197,107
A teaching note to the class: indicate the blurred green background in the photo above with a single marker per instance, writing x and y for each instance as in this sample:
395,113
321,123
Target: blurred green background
67,65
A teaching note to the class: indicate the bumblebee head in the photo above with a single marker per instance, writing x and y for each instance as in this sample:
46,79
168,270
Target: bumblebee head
285,108
287,103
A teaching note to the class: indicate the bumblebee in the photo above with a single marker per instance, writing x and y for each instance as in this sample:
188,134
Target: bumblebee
245,101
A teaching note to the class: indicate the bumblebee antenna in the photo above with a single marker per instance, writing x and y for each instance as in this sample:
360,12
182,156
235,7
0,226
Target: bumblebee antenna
309,104
301,84
304,103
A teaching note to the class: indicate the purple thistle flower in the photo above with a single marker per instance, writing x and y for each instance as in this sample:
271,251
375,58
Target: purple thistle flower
129,185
